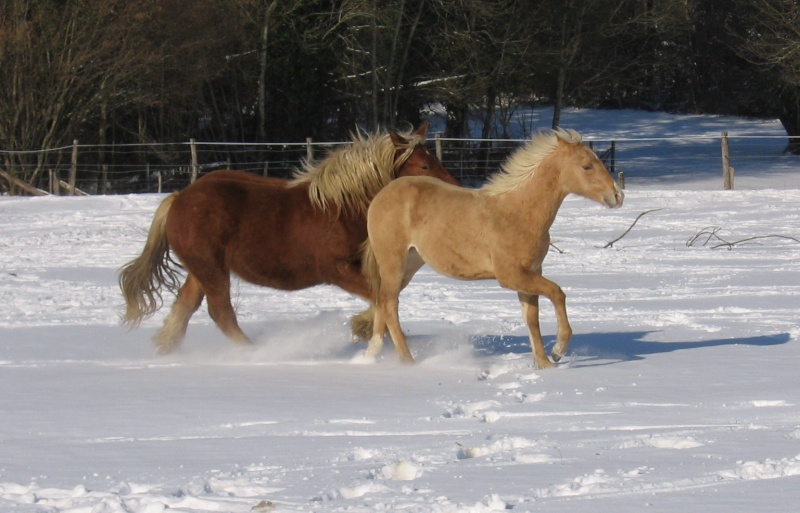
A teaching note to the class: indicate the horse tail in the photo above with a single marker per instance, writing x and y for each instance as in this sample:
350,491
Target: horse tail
361,324
143,278
369,268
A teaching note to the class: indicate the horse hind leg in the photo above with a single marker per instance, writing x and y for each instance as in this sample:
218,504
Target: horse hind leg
396,273
386,315
221,311
361,324
391,313
190,296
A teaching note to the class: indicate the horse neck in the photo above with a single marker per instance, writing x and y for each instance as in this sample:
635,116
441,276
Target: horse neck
539,198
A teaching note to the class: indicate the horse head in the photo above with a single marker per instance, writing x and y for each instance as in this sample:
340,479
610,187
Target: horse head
419,161
583,173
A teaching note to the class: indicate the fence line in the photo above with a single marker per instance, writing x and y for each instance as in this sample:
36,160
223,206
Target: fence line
157,167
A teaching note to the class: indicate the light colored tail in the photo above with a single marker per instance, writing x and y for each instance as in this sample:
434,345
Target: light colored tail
369,268
143,278
361,324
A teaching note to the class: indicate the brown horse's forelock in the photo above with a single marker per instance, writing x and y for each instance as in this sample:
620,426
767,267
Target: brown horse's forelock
351,176
523,163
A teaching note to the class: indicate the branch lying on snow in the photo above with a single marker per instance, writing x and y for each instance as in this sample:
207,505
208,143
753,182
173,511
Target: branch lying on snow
22,185
706,235
611,243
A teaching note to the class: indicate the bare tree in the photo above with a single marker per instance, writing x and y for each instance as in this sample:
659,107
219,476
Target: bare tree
771,41
71,67
59,67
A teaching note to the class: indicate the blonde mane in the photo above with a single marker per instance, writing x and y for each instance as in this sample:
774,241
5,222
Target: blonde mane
523,163
351,176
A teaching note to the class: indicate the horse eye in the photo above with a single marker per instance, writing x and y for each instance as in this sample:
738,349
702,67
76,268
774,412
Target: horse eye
587,167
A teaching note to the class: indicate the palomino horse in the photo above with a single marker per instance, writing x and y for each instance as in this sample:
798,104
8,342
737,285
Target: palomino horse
499,231
284,234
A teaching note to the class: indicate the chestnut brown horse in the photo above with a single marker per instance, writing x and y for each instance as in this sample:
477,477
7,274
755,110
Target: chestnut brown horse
499,231
284,234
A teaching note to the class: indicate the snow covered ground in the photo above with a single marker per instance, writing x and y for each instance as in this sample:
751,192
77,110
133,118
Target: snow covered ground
680,392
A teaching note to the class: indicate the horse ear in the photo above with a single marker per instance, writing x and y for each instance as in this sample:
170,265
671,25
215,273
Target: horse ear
423,129
398,140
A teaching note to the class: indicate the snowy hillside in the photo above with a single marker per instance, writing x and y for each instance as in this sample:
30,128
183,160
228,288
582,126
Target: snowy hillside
680,392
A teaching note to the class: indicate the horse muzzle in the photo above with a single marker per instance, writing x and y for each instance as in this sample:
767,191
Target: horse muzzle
614,201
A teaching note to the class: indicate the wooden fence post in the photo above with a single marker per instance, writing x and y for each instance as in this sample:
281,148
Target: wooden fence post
266,168
73,169
195,166
727,170
613,157
438,146
621,179
309,150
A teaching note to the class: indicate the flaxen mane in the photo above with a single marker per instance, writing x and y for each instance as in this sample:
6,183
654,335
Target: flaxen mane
524,162
351,176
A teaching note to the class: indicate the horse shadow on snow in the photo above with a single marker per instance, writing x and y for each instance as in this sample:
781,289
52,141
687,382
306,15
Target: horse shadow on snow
595,349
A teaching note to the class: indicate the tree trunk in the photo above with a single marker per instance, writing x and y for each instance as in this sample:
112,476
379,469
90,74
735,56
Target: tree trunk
398,82
488,121
558,104
262,75
374,64
790,119
388,84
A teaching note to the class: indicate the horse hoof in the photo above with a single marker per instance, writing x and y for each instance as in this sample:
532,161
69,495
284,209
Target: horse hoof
408,360
163,350
363,359
557,356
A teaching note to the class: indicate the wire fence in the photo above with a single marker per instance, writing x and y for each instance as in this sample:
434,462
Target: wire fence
147,168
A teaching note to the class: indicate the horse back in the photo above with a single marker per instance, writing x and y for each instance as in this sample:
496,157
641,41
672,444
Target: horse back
445,224
418,199
259,228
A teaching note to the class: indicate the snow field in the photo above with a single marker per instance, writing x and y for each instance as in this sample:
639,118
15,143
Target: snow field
679,391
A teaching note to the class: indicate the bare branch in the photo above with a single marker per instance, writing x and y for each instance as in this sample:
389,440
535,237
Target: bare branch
730,245
710,233
611,243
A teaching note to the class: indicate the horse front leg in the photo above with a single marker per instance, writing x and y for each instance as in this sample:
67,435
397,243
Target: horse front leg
378,325
361,324
564,333
529,285
530,313
347,275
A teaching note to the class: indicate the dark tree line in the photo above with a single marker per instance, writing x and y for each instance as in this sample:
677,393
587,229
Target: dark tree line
115,71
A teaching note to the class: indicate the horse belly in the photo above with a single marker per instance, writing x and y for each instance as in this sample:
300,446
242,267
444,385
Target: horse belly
276,267
458,263
447,232
463,273
293,264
